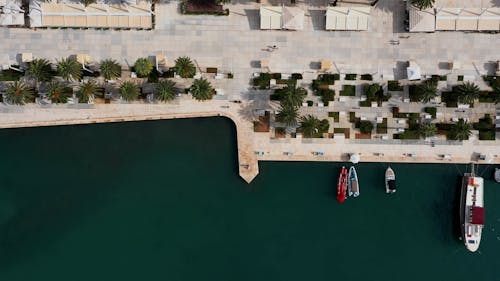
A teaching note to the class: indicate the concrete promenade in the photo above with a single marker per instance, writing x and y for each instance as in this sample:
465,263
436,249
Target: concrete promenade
249,142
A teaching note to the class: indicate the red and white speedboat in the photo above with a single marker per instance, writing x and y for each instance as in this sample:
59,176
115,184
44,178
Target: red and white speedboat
342,185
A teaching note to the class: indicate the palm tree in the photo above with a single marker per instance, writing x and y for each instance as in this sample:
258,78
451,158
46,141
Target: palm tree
312,127
467,93
292,95
426,91
143,67
110,69
185,67
40,70
288,114
422,4
18,93
87,91
165,90
309,125
129,91
427,130
58,92
202,89
69,69
460,131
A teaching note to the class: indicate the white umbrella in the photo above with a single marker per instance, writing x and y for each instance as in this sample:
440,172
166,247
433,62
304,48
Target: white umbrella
354,158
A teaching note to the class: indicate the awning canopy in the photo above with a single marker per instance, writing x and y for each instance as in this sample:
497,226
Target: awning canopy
354,158
94,15
275,17
421,21
347,18
413,71
11,19
468,19
270,17
293,18
11,14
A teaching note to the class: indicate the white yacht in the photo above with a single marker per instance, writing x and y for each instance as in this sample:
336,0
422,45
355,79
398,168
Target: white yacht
472,210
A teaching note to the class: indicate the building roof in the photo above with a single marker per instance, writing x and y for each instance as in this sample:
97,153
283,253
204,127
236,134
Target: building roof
276,17
422,21
293,18
94,15
475,19
270,17
347,18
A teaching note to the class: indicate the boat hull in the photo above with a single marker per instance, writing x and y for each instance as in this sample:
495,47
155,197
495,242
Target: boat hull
390,181
353,183
342,185
471,201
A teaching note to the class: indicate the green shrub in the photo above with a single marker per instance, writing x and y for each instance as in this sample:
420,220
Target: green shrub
323,79
310,103
409,135
230,75
431,110
334,115
348,90
450,99
297,76
263,81
351,76
366,127
10,75
460,78
487,97
352,117
393,85
365,103
382,127
367,77
339,130
276,76
326,95
486,135
443,78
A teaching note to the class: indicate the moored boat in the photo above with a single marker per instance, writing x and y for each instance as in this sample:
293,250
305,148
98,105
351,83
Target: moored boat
472,210
342,185
390,181
352,182
497,175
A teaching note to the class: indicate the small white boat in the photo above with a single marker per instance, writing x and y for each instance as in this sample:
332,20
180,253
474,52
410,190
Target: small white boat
352,182
390,181
497,174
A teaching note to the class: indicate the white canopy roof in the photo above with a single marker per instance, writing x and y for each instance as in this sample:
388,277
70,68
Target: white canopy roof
422,21
468,19
94,15
347,18
270,17
11,19
293,18
354,158
413,71
275,17
11,14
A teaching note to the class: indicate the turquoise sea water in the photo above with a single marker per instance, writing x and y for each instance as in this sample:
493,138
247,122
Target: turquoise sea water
162,200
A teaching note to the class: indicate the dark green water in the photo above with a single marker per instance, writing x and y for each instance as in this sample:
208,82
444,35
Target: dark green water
161,200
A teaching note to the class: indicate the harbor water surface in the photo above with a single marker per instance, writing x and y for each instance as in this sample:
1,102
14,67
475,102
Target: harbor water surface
162,200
